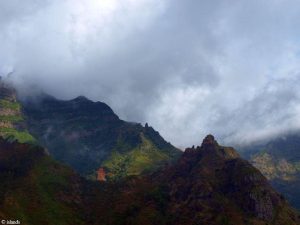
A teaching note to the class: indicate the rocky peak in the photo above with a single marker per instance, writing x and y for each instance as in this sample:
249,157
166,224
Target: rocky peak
211,150
209,140
206,174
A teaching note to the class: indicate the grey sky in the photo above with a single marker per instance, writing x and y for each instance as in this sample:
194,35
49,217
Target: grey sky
188,68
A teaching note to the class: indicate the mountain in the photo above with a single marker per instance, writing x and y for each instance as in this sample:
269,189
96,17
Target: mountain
279,161
209,185
35,189
88,135
12,123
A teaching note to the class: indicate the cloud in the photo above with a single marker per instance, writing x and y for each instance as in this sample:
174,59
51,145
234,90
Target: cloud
189,68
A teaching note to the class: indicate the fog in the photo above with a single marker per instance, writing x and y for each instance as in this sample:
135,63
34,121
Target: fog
188,68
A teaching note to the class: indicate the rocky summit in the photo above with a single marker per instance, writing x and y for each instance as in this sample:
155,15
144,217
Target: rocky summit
210,184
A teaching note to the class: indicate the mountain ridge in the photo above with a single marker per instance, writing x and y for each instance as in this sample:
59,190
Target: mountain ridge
148,181
209,184
79,130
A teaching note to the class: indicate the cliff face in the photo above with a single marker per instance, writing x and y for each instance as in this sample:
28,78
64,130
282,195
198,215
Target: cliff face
218,176
88,135
279,161
209,184
12,122
83,134
101,175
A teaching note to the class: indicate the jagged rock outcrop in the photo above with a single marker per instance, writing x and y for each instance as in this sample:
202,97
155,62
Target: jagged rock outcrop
101,175
217,170
210,184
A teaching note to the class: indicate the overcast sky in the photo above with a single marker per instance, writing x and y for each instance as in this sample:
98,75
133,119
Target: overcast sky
187,67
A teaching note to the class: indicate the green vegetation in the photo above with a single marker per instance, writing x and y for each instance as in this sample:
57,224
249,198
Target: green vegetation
11,118
10,105
50,178
20,136
37,188
146,157
12,121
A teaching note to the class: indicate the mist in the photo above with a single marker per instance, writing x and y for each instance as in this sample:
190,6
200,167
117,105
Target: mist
188,68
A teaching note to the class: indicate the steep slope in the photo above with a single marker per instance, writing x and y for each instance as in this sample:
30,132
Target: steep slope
11,119
88,135
209,185
35,189
279,161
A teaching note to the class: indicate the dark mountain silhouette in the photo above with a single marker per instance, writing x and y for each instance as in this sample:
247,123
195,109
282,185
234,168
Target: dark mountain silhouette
209,185
35,189
88,135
